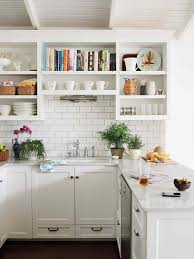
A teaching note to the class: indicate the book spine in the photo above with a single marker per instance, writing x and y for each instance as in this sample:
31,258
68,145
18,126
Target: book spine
100,61
78,66
62,60
103,59
58,60
96,61
71,59
91,61
85,60
43,58
106,61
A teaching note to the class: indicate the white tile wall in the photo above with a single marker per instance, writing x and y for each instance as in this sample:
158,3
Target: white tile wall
66,121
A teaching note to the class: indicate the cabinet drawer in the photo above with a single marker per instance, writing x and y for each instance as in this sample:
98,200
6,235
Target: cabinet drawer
95,231
137,211
54,232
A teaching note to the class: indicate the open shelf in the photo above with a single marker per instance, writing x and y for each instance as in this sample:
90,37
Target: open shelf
79,92
142,117
143,73
78,73
18,96
18,72
132,97
15,118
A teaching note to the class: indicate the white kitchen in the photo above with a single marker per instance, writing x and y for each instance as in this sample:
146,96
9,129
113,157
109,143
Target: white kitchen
96,129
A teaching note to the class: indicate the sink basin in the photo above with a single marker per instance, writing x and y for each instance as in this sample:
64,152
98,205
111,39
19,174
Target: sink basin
87,161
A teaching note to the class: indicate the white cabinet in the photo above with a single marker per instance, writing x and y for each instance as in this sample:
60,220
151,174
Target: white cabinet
95,195
118,230
3,220
53,203
18,203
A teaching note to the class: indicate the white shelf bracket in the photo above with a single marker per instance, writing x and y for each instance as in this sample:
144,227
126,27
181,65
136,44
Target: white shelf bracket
32,14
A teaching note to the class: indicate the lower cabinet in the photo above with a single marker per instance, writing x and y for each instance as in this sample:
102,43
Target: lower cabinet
95,231
95,195
3,219
53,203
18,202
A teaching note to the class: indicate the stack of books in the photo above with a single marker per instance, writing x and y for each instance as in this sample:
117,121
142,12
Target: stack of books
78,60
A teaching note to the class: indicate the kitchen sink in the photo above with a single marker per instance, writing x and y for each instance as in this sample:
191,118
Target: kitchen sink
91,161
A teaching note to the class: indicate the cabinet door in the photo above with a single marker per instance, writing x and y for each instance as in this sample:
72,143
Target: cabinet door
95,195
119,212
19,211
53,197
3,220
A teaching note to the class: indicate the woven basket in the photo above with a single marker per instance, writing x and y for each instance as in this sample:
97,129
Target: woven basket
26,90
4,155
7,90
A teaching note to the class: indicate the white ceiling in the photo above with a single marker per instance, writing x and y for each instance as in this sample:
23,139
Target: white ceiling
151,14
73,13
144,14
13,13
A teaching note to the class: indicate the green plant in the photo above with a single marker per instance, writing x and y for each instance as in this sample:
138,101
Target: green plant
32,148
135,142
117,134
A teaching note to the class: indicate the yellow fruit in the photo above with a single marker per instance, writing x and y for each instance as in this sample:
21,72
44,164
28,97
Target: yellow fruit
159,150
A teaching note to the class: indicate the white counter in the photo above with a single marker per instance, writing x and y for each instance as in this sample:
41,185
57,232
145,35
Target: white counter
149,197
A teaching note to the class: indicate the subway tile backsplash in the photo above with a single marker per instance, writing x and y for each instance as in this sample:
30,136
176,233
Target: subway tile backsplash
66,121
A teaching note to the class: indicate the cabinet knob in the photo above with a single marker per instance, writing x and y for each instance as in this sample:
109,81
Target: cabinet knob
1,181
77,177
136,233
118,223
71,177
137,209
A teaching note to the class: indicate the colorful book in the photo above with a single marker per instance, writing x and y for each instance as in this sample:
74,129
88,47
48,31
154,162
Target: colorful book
96,61
91,61
85,60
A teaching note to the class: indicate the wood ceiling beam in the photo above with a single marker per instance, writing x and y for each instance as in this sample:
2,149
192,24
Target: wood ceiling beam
112,13
32,14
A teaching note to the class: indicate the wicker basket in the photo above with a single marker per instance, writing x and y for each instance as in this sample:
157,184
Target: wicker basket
7,90
26,90
4,155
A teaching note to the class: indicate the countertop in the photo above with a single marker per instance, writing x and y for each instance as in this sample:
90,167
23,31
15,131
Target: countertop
149,197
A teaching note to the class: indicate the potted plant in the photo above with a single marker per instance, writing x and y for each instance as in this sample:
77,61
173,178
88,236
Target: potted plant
116,135
29,148
135,144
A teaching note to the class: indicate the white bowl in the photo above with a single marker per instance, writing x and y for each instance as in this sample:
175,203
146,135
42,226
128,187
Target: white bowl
4,62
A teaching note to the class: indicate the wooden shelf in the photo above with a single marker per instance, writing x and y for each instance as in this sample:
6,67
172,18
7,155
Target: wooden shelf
142,117
18,96
78,73
143,73
18,72
132,97
79,92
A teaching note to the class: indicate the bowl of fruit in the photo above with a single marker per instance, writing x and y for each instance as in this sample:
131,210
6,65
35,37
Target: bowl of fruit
182,184
4,153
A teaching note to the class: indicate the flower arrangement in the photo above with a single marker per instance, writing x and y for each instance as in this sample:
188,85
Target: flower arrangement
28,148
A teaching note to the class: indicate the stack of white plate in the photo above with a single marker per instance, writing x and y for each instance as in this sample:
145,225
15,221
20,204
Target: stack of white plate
24,108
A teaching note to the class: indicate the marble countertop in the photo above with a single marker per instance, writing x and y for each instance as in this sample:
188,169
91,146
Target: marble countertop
149,197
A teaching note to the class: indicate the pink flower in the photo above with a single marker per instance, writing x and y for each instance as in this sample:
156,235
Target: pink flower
24,129
16,132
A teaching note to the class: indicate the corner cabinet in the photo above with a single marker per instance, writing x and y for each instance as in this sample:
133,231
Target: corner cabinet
18,201
53,203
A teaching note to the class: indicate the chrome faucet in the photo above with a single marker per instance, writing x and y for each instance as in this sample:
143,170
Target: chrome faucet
86,152
77,149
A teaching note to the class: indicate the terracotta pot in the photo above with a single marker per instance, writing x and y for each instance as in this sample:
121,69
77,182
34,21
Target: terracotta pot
117,152
130,86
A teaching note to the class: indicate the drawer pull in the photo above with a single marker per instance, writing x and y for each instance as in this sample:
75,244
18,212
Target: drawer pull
118,223
136,233
136,209
53,229
98,229
71,177
77,177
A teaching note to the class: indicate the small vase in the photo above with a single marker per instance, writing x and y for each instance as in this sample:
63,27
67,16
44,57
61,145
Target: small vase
16,148
134,154
117,152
